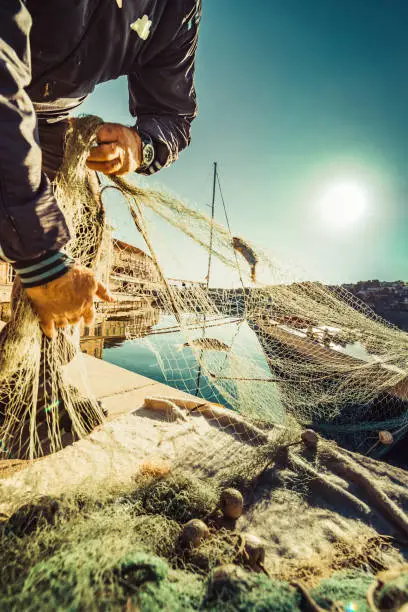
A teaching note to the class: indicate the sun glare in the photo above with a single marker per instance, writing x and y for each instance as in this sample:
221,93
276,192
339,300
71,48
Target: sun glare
344,203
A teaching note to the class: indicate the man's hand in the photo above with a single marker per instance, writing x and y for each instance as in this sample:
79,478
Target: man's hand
119,150
67,299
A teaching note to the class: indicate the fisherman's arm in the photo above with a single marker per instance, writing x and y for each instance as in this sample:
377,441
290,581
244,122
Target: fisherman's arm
31,224
162,97
32,227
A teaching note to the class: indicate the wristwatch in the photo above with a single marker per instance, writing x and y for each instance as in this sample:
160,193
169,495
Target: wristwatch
147,152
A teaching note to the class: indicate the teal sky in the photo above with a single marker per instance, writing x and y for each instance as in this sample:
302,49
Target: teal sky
295,95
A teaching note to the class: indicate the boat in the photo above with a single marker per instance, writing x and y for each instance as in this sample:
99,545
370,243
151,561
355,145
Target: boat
356,426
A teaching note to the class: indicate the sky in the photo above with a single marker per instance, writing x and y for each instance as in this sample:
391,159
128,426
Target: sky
295,97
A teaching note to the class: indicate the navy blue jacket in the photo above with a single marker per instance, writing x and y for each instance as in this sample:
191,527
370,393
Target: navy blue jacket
52,55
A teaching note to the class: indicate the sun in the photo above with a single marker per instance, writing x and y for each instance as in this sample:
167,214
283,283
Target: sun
344,203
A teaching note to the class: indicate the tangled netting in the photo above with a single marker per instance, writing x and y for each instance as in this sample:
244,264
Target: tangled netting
267,346
44,400
273,344
125,550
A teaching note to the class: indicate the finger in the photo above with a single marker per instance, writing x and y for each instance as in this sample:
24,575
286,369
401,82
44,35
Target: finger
61,322
89,315
130,161
108,132
127,167
105,152
73,320
109,167
47,325
103,293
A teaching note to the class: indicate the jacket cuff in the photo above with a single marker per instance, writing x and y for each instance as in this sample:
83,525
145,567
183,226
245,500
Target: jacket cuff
154,167
44,269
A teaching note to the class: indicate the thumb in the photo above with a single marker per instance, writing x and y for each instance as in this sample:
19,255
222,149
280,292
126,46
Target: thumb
89,315
103,293
48,327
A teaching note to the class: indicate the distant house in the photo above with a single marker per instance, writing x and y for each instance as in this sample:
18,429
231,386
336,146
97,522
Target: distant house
125,269
7,275
129,267
132,270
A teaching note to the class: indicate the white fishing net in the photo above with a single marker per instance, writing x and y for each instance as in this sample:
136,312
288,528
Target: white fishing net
274,345
266,345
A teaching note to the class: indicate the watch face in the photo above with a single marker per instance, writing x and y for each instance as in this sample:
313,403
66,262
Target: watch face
148,154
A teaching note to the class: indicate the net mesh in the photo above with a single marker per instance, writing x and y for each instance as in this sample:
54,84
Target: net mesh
267,345
274,344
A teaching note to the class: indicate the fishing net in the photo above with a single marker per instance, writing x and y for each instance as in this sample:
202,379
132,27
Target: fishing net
267,343
122,549
43,403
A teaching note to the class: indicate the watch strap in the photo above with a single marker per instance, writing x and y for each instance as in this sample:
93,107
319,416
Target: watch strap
148,152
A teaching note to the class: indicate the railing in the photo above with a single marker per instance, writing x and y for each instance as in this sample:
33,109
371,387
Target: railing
134,280
121,306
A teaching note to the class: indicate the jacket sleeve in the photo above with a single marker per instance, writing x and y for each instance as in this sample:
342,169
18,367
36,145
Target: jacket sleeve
31,224
161,91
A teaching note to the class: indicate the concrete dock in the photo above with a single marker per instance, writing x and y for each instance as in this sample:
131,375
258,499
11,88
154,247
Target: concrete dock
130,436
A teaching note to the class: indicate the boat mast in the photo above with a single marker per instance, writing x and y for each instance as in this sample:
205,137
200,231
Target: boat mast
212,225
208,270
